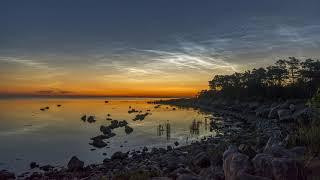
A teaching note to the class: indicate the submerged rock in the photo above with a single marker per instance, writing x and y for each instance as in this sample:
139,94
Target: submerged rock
75,164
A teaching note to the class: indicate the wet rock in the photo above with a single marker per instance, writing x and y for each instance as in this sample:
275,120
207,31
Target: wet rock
128,129
176,143
75,164
4,175
303,116
33,165
84,118
42,109
108,119
98,143
173,109
91,119
169,148
58,105
119,155
106,102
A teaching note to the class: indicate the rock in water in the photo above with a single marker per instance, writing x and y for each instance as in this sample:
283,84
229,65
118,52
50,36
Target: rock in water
75,164
119,155
84,118
91,119
33,165
176,143
128,129
99,143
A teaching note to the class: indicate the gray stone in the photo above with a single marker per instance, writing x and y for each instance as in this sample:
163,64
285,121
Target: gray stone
75,164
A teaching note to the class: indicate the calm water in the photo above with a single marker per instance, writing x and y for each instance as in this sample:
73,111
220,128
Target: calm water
53,136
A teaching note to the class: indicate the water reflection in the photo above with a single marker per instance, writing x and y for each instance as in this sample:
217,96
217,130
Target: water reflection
164,127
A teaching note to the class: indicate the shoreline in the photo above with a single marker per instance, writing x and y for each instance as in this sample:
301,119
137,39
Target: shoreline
237,128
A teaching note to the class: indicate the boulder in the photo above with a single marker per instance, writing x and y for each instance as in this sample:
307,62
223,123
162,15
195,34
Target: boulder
33,165
114,124
119,155
75,164
105,129
5,175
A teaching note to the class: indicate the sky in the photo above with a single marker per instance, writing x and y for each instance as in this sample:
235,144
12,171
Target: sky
146,47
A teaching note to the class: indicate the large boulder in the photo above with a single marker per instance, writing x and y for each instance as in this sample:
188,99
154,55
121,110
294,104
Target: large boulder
75,164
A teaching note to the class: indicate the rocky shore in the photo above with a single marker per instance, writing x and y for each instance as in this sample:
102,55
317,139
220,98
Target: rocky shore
252,142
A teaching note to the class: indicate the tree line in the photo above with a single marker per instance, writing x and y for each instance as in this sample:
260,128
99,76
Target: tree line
287,78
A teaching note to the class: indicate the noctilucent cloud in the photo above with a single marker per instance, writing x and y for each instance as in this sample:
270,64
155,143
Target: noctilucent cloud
143,47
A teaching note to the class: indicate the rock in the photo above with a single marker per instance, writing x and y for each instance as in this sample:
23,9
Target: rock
235,165
214,173
303,116
106,101
123,123
105,129
271,141
33,165
128,129
119,155
202,160
273,113
145,149
140,117
284,114
247,150
91,119
58,105
98,143
292,107
84,118
114,124
108,119
173,109
46,167
132,111
75,164
262,111
169,148
5,175
176,143
278,168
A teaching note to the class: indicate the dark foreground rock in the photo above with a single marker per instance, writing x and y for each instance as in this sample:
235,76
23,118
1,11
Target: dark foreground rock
75,164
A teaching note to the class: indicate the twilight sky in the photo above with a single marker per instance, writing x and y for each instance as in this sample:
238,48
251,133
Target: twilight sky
146,47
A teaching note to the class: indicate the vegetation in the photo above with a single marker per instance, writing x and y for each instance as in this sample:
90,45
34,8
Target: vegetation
309,134
288,78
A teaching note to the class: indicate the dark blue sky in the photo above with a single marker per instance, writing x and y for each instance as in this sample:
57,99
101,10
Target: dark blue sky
126,39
